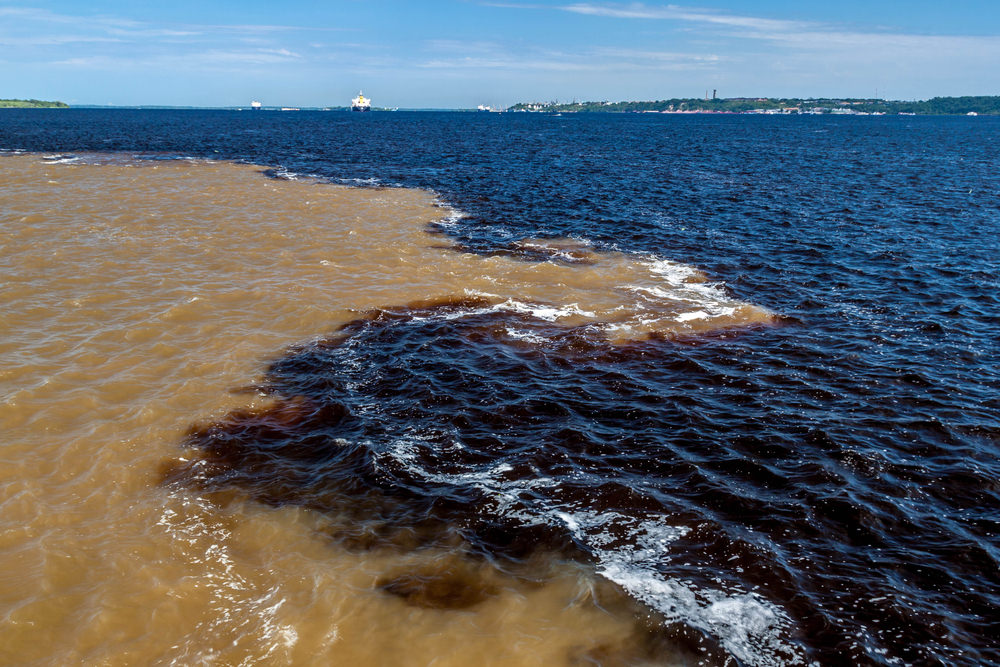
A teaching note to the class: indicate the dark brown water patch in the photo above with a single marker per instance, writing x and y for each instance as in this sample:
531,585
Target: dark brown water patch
452,584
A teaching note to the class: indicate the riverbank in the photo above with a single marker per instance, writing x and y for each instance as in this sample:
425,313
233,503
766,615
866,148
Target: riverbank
32,104
936,106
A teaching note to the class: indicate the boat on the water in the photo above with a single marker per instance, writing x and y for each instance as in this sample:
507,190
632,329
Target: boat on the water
361,103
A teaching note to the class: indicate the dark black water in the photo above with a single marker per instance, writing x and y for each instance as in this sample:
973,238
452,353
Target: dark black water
826,490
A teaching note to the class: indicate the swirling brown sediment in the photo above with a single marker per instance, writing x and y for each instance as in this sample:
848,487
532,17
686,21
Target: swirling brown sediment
136,297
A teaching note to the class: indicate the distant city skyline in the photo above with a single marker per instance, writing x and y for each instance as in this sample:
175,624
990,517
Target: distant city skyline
458,54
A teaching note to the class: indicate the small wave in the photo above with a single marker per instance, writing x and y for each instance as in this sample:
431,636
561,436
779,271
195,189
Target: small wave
361,182
450,221
545,312
169,157
526,336
568,250
627,549
675,273
284,174
61,159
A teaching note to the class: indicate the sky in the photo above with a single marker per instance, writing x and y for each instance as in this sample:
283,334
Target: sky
462,53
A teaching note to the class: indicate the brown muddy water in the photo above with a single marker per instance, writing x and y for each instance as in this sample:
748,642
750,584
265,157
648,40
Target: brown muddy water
140,298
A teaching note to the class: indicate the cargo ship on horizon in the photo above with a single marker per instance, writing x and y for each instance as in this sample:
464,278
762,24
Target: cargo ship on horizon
361,103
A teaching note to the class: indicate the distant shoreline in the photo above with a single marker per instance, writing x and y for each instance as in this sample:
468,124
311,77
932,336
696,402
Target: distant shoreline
936,106
32,104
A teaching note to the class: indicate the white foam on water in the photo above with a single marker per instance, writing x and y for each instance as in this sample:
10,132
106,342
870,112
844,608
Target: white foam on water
526,336
655,292
682,282
724,311
566,249
628,551
505,495
452,219
544,312
547,312
675,273
61,159
751,628
286,174
360,182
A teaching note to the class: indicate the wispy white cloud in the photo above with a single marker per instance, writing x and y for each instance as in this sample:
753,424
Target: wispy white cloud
263,28
454,55
34,26
674,12
214,58
614,49
876,42
656,56
29,15
55,40
514,5
787,53
811,35
799,44
472,63
41,36
95,62
152,33
463,46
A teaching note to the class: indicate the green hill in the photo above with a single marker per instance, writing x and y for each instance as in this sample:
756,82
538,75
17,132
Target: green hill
32,104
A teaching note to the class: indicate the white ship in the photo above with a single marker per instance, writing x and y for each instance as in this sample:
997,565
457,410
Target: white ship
361,103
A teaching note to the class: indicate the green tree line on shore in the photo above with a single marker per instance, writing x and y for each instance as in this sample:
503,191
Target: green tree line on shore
935,106
32,104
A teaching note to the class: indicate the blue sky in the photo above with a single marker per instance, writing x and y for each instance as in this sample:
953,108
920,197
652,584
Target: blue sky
460,53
